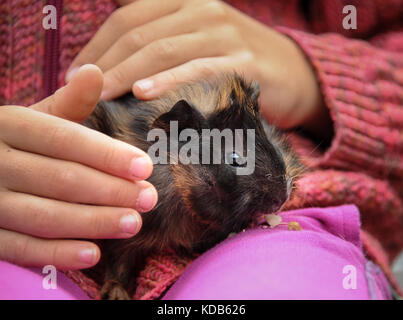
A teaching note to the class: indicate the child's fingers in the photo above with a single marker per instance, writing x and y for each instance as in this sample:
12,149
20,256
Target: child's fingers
121,21
68,181
40,133
152,87
56,219
77,99
35,252
132,41
156,57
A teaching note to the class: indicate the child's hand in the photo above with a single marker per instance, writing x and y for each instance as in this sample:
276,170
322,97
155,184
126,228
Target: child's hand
60,180
162,43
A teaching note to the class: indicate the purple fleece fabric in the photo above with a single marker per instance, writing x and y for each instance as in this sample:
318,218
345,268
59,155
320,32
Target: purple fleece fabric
18,283
322,261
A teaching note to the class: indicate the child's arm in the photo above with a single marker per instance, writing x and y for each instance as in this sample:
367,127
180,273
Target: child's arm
362,86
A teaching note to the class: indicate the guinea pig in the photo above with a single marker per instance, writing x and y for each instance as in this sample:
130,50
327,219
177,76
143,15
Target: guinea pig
201,201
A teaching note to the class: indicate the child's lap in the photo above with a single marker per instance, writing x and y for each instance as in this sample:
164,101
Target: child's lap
323,261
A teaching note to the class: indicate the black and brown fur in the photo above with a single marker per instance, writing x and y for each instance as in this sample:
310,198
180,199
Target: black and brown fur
199,205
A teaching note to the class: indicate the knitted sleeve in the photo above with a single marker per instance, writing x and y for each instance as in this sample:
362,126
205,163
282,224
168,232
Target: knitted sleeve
362,85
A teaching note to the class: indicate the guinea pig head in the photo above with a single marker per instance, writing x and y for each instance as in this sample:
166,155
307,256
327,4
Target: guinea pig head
226,168
258,172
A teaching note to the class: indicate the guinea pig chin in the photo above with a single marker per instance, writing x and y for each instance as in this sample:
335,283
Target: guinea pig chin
276,199
276,205
281,198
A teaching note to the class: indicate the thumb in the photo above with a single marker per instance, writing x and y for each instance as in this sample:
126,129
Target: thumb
76,100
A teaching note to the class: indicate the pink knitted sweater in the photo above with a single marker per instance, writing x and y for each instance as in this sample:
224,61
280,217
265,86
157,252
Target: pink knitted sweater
361,82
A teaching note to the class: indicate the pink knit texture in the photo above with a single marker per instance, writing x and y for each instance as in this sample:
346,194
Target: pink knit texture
361,83
21,51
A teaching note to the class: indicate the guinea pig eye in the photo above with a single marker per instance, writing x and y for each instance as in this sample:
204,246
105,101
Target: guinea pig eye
235,160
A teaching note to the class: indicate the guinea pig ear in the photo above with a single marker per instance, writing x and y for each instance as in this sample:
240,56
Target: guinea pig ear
187,117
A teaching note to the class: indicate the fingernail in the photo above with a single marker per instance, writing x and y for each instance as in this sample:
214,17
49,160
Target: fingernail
145,85
140,168
147,199
71,73
130,224
88,256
